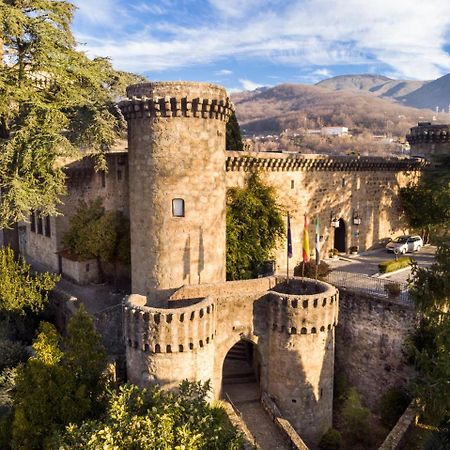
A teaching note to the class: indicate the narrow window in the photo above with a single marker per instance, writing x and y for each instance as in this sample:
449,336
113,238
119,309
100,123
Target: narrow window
33,222
103,177
119,175
178,207
39,225
343,182
48,231
292,184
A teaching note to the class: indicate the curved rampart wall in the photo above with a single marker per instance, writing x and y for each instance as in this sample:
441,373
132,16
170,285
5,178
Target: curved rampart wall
166,346
301,356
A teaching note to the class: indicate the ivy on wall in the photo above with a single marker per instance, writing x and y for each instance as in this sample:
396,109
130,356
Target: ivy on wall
254,227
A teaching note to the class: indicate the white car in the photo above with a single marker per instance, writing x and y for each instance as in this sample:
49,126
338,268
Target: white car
404,244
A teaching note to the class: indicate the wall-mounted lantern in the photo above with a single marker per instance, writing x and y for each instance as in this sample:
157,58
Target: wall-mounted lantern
335,222
357,220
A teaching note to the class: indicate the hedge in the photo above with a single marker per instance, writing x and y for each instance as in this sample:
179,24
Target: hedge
394,264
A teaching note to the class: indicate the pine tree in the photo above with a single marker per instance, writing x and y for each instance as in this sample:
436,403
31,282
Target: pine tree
234,139
54,101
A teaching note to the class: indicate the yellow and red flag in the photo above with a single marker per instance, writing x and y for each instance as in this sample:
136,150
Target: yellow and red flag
305,241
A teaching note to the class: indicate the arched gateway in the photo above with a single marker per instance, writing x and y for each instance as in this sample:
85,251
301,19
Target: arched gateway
277,336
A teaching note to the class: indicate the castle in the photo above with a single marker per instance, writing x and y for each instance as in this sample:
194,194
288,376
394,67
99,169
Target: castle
183,318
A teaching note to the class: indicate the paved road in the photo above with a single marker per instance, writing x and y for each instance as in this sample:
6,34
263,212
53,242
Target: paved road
366,263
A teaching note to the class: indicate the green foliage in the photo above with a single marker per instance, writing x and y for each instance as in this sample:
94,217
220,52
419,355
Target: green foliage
150,419
53,101
47,395
394,264
356,417
309,270
233,138
393,404
254,228
11,353
19,289
100,234
7,385
427,204
331,440
84,354
55,388
430,290
393,289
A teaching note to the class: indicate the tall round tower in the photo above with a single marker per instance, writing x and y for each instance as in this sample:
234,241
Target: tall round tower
176,144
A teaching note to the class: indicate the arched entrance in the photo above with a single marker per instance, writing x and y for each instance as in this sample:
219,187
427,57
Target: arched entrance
340,237
241,365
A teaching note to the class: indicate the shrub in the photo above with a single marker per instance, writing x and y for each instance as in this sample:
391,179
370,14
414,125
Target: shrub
356,417
331,440
394,264
392,405
310,269
11,354
393,289
341,388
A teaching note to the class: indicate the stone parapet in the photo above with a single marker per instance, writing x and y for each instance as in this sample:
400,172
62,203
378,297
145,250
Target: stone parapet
177,99
428,133
160,330
239,161
292,312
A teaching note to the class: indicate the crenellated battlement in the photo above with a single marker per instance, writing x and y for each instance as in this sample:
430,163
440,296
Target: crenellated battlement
313,312
285,162
163,330
177,99
426,132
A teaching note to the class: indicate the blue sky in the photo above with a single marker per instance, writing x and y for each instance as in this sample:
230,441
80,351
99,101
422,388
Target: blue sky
244,44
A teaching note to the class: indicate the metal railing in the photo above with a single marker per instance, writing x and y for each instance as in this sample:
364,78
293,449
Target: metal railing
377,287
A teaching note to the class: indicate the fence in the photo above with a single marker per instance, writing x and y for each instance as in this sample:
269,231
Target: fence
378,287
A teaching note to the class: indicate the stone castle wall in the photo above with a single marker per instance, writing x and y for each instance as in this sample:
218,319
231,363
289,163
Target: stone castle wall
330,188
83,183
293,334
371,343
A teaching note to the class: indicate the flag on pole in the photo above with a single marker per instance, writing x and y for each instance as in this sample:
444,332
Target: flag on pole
317,241
289,237
305,241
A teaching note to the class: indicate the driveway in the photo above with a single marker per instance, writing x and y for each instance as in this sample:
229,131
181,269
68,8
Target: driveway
366,263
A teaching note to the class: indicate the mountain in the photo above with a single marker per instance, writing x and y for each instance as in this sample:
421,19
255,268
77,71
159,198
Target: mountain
294,106
432,94
378,85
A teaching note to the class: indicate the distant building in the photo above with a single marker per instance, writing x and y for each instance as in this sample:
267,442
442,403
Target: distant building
334,131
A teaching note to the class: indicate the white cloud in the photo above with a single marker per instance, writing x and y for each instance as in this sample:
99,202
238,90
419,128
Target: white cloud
322,73
249,85
224,72
407,36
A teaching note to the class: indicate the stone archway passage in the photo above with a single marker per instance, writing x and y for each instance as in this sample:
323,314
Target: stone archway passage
240,364
340,237
240,385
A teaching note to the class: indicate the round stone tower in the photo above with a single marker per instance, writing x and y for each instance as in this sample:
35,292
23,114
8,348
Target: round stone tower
176,145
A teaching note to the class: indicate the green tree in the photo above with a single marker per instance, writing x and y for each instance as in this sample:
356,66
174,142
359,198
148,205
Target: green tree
84,353
53,101
20,290
431,346
100,234
427,203
356,417
234,138
47,395
150,419
254,227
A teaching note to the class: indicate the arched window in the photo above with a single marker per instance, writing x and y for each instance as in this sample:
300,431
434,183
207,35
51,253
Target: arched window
178,207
